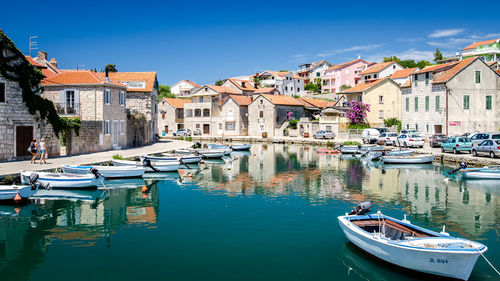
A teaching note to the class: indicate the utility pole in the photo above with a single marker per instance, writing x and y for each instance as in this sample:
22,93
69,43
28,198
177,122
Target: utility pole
33,45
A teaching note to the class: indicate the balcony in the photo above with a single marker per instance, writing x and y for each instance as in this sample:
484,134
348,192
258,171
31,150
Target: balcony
67,109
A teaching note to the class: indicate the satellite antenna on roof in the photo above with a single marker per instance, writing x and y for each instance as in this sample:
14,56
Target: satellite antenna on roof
33,44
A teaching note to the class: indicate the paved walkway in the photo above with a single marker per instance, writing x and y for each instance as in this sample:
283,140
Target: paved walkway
8,168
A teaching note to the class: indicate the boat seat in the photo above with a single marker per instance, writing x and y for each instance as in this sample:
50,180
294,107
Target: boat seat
392,233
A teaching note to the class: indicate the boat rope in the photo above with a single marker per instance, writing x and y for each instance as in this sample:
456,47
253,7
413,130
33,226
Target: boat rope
487,261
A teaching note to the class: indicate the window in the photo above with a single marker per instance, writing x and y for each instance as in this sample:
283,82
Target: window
477,76
407,104
488,102
381,114
262,127
200,99
416,79
197,112
229,126
2,92
107,96
291,89
220,126
427,127
466,103
427,103
374,76
106,127
122,127
427,76
318,74
197,126
206,112
438,106
407,126
230,112
70,100
416,127
261,101
381,99
261,114
394,67
416,103
122,98
286,88
298,89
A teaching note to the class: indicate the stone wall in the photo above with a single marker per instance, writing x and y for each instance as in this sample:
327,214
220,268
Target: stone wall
147,104
87,141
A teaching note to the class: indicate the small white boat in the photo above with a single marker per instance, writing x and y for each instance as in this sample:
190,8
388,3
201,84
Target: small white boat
350,149
184,151
109,172
210,153
490,173
185,158
226,148
159,166
406,245
241,146
9,192
63,180
413,159
160,158
375,155
73,195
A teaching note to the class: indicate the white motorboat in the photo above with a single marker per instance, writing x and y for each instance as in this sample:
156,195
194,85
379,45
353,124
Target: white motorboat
490,173
73,195
159,166
413,159
375,155
241,146
350,149
210,153
406,245
185,158
63,180
9,192
108,172
161,158
184,151
226,148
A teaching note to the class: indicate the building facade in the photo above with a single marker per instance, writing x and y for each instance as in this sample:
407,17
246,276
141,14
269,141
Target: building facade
348,74
380,70
314,70
171,115
234,111
286,83
488,51
184,88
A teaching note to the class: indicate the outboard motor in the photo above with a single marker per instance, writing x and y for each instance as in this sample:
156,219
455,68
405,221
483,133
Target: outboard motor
96,173
147,163
362,208
462,166
33,179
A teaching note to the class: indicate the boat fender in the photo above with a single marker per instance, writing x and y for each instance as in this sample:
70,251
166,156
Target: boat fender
147,163
17,198
144,189
362,208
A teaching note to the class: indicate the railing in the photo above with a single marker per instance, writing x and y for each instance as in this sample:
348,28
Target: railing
351,134
67,109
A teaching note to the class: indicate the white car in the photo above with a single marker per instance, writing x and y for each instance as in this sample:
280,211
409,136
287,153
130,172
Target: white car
388,138
323,134
411,140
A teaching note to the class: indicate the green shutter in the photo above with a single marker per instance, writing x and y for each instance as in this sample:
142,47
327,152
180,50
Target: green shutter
407,104
478,76
427,103
437,103
416,103
488,102
466,102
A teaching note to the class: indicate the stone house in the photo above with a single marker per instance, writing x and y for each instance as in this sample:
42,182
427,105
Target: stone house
142,102
314,70
184,88
380,70
244,87
452,98
348,73
203,114
286,83
235,115
384,97
99,103
269,114
171,115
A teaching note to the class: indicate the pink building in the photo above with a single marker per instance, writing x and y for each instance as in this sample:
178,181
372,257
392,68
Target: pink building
348,73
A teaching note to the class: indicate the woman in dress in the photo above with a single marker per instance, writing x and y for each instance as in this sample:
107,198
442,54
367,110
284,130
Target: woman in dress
43,151
33,149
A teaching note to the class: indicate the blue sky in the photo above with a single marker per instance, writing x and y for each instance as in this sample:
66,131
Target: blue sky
208,40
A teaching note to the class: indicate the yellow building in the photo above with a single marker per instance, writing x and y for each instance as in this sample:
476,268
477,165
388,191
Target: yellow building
383,96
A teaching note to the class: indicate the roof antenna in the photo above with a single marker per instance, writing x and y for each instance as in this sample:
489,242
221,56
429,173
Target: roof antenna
33,44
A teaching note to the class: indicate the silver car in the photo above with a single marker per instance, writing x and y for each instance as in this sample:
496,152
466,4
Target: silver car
478,138
323,134
487,147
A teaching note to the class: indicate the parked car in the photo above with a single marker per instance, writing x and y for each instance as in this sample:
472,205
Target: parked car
182,132
370,135
388,138
457,144
478,138
408,131
487,147
437,139
324,134
411,140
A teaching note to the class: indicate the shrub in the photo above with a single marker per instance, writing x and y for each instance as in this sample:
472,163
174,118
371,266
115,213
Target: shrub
189,138
329,144
357,112
181,137
293,123
358,126
117,157
351,143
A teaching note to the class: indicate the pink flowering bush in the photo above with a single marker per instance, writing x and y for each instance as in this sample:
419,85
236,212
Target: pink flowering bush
357,113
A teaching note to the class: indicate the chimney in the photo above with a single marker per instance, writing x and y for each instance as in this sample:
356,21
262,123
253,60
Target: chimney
107,75
42,55
53,62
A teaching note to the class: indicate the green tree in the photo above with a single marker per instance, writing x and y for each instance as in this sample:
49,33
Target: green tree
344,87
408,63
438,55
314,86
219,82
423,63
164,92
257,80
110,68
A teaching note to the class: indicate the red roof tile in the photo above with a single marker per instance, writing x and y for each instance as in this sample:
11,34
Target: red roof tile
345,64
240,100
377,67
177,103
446,76
194,84
363,86
148,77
34,62
437,67
281,100
78,78
477,44
403,73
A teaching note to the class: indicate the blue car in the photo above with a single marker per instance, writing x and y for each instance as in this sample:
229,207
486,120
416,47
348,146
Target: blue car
457,145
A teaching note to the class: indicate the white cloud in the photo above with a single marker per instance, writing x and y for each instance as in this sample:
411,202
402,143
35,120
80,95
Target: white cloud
492,35
299,58
446,32
350,49
409,40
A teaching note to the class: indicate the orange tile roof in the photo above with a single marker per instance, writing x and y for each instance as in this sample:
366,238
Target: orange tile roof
317,102
477,44
498,71
194,84
363,86
446,76
377,67
265,90
223,89
79,78
148,77
345,64
403,73
249,85
177,103
282,100
34,62
436,67
241,100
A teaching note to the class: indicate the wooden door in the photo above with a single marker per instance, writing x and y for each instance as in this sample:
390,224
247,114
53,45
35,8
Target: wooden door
24,136
206,129
438,129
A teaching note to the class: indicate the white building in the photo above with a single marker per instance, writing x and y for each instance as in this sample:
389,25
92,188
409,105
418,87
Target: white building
380,70
184,88
313,70
286,83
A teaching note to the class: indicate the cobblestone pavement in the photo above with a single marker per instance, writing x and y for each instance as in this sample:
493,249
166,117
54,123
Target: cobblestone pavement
8,168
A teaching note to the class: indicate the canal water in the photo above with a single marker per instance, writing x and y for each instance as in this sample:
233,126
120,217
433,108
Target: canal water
268,214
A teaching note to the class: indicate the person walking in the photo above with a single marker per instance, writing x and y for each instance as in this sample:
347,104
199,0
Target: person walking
43,151
33,149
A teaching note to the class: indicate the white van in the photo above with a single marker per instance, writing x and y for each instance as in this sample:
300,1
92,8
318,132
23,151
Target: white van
371,135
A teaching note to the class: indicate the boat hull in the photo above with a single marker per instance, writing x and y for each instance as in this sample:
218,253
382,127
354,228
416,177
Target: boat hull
9,192
160,166
453,264
62,180
481,174
241,146
407,160
110,172
188,159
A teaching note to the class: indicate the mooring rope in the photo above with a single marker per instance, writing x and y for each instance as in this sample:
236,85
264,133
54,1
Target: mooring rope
487,261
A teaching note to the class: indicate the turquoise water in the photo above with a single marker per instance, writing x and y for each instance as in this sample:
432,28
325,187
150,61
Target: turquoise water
266,215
